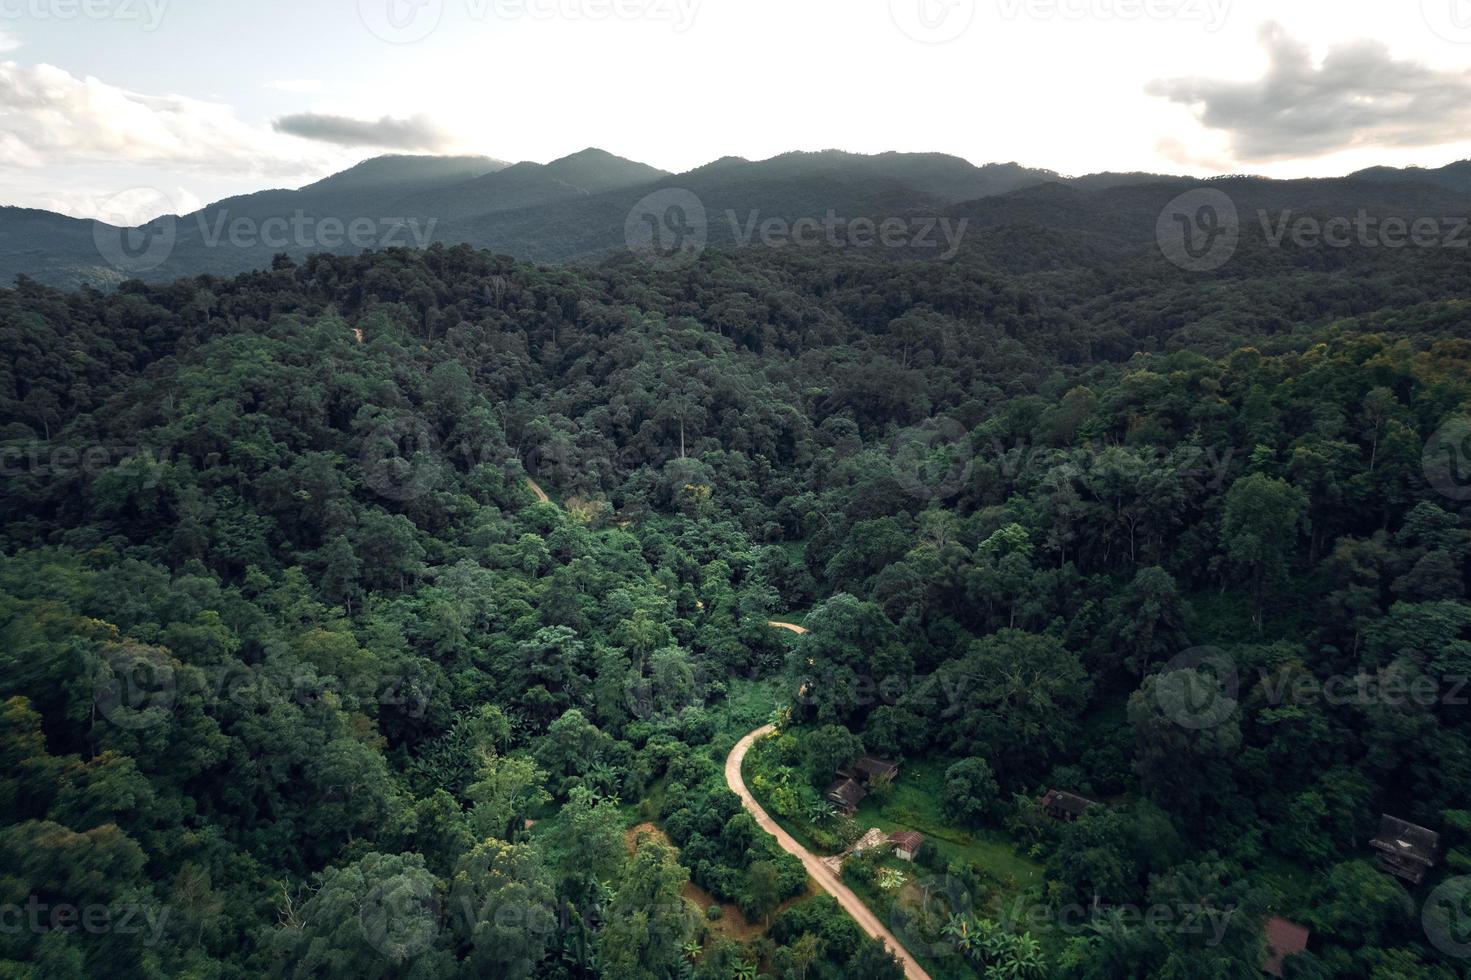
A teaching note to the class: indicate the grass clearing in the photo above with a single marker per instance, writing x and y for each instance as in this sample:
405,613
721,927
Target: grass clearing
915,805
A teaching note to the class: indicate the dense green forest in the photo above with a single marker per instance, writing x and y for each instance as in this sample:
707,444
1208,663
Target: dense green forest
300,678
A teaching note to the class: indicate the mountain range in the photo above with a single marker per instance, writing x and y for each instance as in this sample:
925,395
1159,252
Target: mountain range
576,208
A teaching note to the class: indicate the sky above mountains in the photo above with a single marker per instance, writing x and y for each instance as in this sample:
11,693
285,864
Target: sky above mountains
200,100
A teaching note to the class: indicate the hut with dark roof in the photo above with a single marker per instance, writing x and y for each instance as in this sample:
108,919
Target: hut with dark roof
1406,850
846,794
1062,805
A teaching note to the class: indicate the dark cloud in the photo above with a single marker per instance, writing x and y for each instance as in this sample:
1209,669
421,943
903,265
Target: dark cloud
414,133
1359,97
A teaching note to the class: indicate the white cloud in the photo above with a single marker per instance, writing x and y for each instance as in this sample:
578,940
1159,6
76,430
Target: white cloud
8,40
52,117
1359,96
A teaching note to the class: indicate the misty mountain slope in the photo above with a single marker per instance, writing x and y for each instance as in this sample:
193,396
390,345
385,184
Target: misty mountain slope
940,175
595,170
736,205
527,185
370,188
1455,176
577,208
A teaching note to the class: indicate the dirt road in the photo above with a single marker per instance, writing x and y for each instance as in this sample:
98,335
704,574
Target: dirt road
789,626
536,489
818,871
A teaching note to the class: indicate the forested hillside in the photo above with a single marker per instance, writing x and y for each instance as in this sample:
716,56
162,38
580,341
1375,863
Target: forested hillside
300,679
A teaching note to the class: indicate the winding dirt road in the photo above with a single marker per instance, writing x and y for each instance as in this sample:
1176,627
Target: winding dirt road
818,871
793,627
536,489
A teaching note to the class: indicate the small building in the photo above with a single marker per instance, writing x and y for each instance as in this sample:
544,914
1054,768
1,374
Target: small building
1284,939
1406,850
869,768
846,794
906,844
1062,805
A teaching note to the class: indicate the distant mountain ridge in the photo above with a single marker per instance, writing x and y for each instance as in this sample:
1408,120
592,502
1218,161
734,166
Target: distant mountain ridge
575,208
1455,176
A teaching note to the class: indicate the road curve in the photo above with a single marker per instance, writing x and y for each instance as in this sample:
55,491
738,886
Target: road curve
537,491
800,631
818,871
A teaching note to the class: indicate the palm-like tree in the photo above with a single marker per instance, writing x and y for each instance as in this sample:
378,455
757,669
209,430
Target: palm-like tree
1025,958
745,971
603,778
961,931
691,949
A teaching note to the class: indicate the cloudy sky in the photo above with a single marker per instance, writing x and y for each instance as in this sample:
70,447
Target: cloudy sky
207,98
